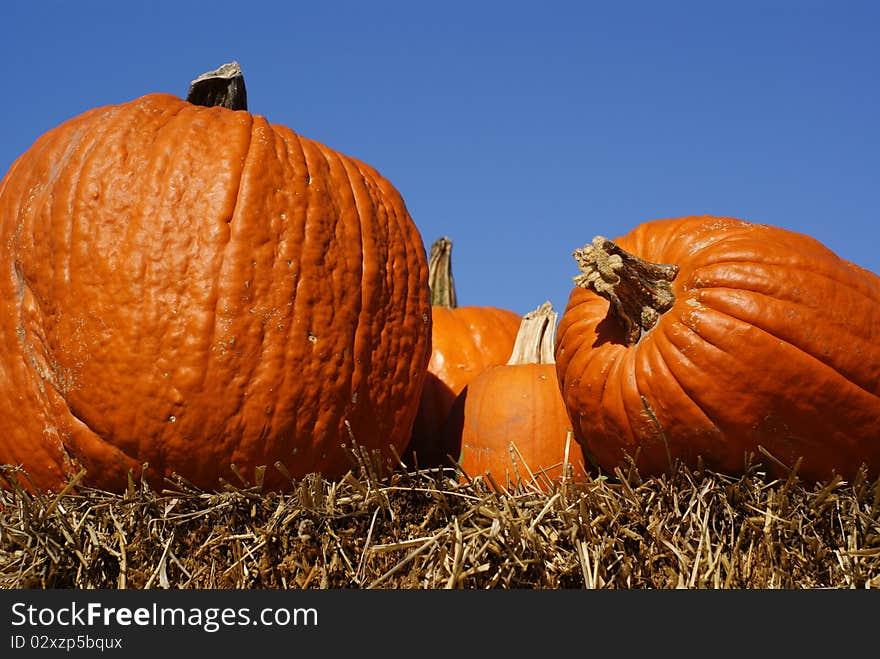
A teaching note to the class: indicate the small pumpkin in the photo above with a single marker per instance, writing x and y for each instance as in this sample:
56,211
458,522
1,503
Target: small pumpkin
187,285
464,341
714,338
510,420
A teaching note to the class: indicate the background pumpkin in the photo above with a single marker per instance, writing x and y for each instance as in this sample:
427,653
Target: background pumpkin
510,420
192,287
750,337
464,341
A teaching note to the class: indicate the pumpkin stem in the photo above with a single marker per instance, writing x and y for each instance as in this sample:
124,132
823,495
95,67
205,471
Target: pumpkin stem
535,338
639,291
223,87
440,279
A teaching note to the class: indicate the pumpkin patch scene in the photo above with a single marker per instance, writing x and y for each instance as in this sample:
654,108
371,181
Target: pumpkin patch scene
390,296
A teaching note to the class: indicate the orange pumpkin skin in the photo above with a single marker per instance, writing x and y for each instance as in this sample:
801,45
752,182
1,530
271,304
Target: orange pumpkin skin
465,341
513,403
516,402
193,287
772,342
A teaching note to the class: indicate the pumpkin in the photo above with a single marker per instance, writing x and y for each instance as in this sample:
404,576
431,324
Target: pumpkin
714,339
194,287
465,340
510,421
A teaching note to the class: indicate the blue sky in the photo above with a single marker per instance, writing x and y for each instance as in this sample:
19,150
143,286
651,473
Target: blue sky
519,130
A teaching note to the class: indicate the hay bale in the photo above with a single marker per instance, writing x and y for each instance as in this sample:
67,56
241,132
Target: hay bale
389,526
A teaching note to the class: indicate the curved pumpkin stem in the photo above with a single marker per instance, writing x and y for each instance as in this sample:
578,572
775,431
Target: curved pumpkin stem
639,291
222,87
440,279
535,338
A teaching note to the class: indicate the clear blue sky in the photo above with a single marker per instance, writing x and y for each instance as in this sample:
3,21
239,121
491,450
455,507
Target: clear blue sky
519,130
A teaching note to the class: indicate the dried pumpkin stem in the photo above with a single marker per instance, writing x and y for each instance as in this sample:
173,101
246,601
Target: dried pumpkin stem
222,87
440,278
639,291
536,337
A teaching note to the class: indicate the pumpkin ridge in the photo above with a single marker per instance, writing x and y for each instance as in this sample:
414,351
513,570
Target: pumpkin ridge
756,291
317,160
216,287
56,405
616,413
866,292
267,365
357,364
652,397
23,239
411,308
202,286
338,167
216,296
806,343
137,222
363,188
58,168
33,340
702,438
579,359
619,373
667,362
359,188
802,440
288,372
302,320
220,269
739,231
76,162
419,316
176,383
71,451
81,172
255,271
629,361
606,377
845,379
666,243
279,260
297,159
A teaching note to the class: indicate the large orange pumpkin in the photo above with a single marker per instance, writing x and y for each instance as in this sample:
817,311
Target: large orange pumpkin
465,340
720,338
510,421
194,287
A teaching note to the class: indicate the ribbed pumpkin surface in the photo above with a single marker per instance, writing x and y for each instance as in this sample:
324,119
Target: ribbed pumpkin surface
193,287
772,342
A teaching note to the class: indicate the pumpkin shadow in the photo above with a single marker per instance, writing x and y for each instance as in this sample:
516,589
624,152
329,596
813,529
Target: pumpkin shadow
450,434
609,330
426,448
